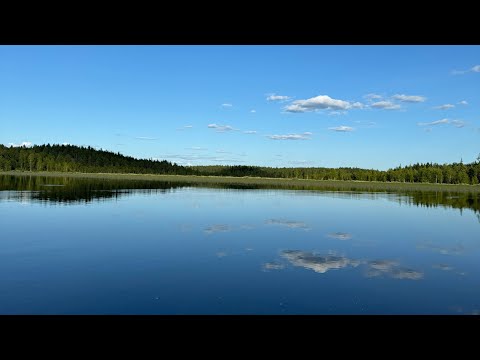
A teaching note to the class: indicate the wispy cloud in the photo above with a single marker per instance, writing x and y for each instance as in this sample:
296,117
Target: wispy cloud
297,162
221,151
228,160
227,105
250,132
409,98
145,138
253,111
444,107
304,136
337,113
186,127
372,97
341,128
197,148
23,143
321,102
386,105
275,97
437,122
457,123
221,128
476,68
463,102
183,158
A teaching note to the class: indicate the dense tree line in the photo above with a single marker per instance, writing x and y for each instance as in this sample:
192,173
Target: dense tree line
456,173
70,158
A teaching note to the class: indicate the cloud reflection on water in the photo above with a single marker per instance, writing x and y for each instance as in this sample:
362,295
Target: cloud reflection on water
288,223
318,263
340,236
272,266
391,268
323,263
217,228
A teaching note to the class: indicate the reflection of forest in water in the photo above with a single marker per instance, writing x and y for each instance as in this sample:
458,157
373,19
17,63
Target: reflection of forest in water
81,190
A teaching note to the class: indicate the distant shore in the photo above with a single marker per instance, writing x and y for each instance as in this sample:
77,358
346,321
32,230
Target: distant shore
276,182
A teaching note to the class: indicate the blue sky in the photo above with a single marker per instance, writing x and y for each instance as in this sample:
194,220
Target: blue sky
362,106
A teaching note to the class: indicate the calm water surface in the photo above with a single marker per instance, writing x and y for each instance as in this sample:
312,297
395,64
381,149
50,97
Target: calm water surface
77,246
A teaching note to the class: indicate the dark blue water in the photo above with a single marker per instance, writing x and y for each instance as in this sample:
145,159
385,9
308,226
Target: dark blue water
188,250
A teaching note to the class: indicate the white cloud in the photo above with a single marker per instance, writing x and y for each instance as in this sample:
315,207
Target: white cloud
221,151
357,105
196,148
275,97
253,111
220,128
23,143
66,143
373,97
304,136
458,123
409,98
437,122
227,105
463,102
250,132
444,107
319,103
341,128
476,68
387,105
145,138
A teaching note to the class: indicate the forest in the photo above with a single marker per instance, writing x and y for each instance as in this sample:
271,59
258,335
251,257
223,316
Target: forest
71,158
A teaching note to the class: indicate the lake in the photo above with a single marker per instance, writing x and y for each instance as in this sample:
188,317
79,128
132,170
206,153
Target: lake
92,246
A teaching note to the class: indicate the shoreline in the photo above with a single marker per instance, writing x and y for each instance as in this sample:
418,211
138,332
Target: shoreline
306,183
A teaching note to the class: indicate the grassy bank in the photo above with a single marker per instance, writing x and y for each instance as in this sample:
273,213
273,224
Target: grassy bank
275,182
